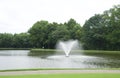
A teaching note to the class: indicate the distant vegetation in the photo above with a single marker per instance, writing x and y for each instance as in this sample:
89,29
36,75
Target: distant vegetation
100,32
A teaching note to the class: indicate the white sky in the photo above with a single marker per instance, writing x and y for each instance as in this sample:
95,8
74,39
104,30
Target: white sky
18,16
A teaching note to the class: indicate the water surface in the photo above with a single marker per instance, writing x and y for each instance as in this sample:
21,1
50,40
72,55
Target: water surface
20,59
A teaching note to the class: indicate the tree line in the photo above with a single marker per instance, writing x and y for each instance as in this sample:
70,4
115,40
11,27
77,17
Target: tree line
100,32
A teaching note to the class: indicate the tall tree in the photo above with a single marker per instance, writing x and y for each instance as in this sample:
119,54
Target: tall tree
38,33
6,40
112,23
101,31
93,33
61,33
74,29
21,40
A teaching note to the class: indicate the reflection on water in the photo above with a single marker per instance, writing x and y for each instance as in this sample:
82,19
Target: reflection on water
16,59
14,52
43,54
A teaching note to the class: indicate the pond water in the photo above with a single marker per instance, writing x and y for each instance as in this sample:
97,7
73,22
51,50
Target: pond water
20,59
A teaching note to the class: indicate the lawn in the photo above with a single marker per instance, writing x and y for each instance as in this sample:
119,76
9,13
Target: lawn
82,75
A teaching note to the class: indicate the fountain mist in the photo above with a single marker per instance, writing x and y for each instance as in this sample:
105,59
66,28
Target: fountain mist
68,46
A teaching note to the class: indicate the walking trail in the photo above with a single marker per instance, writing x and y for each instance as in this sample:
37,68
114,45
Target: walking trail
57,72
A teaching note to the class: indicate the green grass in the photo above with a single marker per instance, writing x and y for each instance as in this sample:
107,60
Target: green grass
83,51
35,69
101,52
86,51
84,75
53,50
40,50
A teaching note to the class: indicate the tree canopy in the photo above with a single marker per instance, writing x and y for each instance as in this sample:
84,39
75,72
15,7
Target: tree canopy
100,32
45,35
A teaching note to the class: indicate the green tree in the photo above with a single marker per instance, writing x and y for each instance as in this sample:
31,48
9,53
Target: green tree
46,35
93,33
50,42
38,33
61,33
74,29
102,31
6,40
112,24
21,40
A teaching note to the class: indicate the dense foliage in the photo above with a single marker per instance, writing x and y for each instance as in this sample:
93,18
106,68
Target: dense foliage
101,32
45,35
21,40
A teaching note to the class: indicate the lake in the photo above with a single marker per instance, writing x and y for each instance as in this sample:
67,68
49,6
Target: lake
22,59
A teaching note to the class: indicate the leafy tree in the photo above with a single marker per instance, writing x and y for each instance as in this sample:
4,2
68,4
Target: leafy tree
93,33
50,42
74,29
61,33
46,35
21,40
101,31
6,40
38,33
112,23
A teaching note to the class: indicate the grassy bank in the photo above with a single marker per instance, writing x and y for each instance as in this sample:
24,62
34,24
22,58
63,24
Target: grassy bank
82,51
35,69
41,50
101,52
85,75
53,50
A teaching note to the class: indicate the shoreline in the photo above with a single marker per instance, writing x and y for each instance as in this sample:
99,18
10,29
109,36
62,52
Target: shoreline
41,69
57,72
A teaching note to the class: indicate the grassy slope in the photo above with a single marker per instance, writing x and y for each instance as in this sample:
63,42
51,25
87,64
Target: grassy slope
101,52
50,50
35,69
93,75
83,51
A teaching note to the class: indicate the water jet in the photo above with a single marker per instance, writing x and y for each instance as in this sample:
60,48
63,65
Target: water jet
68,46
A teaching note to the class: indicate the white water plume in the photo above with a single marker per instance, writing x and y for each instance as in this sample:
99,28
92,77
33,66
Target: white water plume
68,46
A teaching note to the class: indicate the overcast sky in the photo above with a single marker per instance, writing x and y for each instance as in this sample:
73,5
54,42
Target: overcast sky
18,16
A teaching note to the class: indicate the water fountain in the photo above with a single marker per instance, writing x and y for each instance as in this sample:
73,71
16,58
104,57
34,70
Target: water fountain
68,46
22,59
